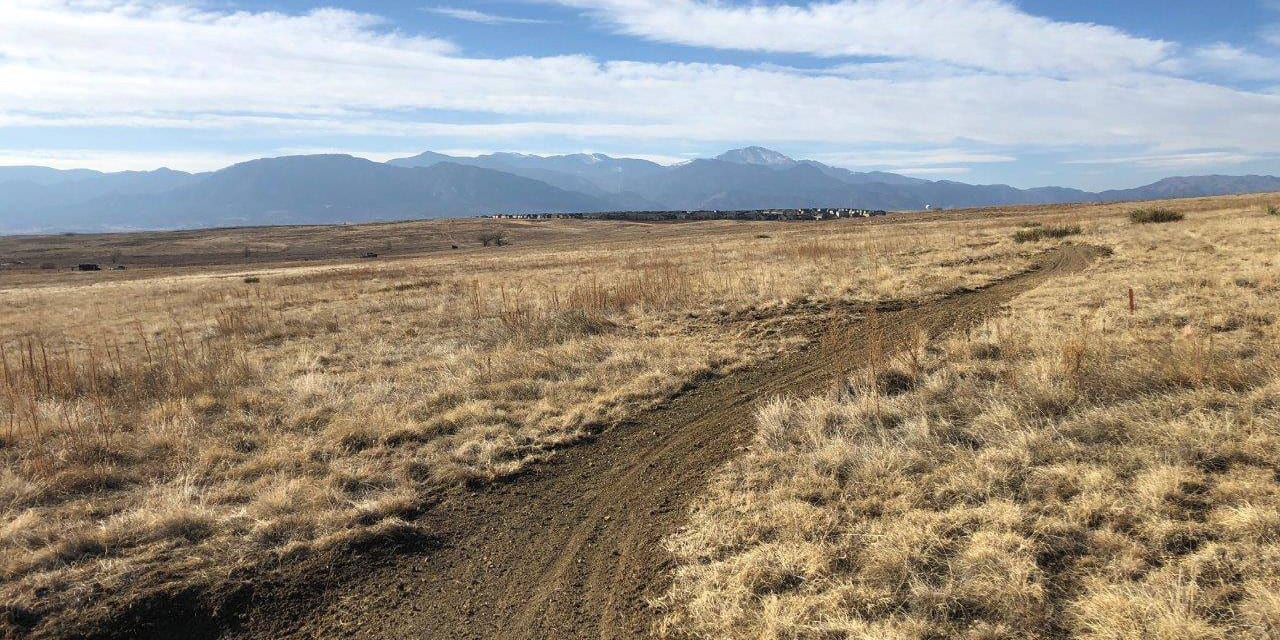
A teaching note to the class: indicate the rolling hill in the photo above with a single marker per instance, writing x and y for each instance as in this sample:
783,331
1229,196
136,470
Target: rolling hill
342,188
287,190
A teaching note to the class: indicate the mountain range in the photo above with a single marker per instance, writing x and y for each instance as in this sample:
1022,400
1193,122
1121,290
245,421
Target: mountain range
341,188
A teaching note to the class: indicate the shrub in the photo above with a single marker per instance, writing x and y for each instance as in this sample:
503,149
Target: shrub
492,239
1147,216
1034,234
252,280
1030,224
1273,210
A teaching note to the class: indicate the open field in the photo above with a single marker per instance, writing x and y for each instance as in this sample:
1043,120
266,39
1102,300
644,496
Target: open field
1069,469
170,426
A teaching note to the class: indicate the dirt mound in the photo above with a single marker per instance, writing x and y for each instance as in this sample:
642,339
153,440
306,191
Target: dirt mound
571,549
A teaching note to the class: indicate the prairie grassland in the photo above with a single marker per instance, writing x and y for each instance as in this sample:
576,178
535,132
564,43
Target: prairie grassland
187,423
1066,470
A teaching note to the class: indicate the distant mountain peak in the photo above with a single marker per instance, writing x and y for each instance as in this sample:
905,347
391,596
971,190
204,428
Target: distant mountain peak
329,188
757,155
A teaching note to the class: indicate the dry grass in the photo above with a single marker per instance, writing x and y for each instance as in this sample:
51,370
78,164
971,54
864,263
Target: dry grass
1154,215
1069,470
1040,232
199,421
203,420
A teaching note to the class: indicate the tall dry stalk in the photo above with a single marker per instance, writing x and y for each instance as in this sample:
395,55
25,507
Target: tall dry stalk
875,355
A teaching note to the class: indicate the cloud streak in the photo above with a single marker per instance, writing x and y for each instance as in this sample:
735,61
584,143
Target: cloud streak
1177,160
117,160
983,34
910,158
1230,61
471,15
932,171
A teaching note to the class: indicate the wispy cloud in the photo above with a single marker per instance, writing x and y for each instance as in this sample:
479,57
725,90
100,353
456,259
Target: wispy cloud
910,158
124,160
471,15
1230,61
1272,34
1176,160
984,34
932,171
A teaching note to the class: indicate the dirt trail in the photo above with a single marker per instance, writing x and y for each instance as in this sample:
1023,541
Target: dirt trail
572,549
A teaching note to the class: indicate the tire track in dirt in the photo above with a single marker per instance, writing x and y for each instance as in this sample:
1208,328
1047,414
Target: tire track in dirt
572,549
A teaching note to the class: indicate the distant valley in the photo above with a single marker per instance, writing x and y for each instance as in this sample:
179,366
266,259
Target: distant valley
340,188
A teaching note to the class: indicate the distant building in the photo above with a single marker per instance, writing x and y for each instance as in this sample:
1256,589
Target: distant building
814,213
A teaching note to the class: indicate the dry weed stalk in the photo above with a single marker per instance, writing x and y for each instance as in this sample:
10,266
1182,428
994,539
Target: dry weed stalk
875,355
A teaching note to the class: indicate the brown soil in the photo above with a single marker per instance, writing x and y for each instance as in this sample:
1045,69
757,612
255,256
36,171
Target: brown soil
570,549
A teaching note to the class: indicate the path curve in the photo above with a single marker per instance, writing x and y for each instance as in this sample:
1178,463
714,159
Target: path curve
573,548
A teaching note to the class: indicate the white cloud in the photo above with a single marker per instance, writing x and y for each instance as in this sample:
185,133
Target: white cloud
1231,61
1176,160
903,158
471,15
132,63
115,160
656,158
983,34
932,171
1272,34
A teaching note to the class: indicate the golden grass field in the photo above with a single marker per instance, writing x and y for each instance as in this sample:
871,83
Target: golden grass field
1068,470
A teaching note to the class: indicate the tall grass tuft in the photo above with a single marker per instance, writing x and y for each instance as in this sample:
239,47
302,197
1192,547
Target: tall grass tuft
53,389
1154,214
1035,234
551,314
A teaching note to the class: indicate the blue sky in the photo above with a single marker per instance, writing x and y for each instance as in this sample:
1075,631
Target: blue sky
1090,93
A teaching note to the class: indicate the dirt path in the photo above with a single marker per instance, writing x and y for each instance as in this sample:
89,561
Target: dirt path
572,549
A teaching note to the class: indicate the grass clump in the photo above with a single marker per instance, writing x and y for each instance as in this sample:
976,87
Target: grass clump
1273,210
1154,215
1037,233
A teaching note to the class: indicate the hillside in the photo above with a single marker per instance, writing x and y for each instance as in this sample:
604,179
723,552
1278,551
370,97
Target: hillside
339,189
288,190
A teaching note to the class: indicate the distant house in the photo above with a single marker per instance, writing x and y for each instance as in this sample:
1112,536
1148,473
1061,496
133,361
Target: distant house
813,213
